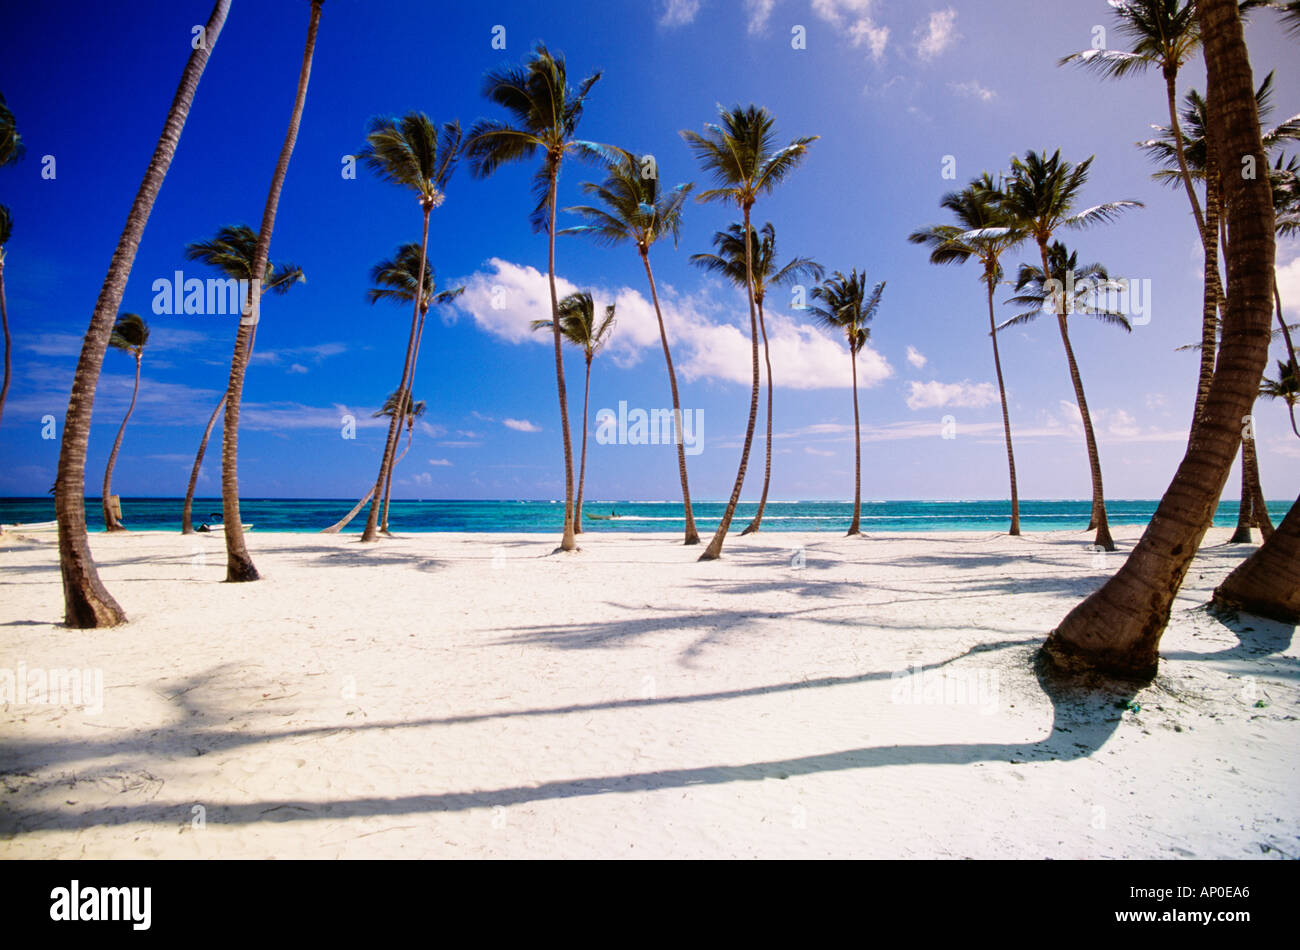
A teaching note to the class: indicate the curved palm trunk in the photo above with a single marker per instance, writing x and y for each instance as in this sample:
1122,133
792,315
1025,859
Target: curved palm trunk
1212,302
1006,418
567,542
857,450
767,465
404,401
1103,539
1259,507
239,565
4,322
187,516
388,488
87,603
582,467
714,550
692,535
1117,630
342,523
110,520
1268,582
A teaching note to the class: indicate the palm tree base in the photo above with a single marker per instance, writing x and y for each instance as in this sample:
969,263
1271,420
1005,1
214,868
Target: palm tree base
692,538
854,533
751,529
1058,660
240,571
1241,535
563,550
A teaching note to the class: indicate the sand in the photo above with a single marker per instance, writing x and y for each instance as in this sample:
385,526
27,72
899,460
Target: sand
450,695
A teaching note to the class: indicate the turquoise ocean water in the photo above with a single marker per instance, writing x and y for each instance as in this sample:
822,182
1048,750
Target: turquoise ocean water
302,514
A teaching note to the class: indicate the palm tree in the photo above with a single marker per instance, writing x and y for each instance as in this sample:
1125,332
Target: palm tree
231,252
984,233
6,231
414,153
1165,34
848,308
730,263
634,208
239,565
545,112
578,326
1117,629
130,335
11,142
742,157
86,601
397,280
1040,197
1286,387
411,411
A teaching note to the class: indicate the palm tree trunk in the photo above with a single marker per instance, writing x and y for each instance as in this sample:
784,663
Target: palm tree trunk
692,535
187,517
339,525
567,542
1117,630
1258,506
1006,417
1268,582
857,449
87,603
714,550
4,322
1099,521
1212,302
388,488
767,465
1245,508
110,520
405,401
239,565
582,467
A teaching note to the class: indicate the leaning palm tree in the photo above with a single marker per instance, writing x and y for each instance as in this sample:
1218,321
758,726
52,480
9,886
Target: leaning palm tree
239,565
410,412
1117,629
231,252
130,335
730,263
1040,197
6,230
846,307
11,142
578,326
86,601
1089,282
1286,387
634,208
742,156
414,153
544,114
984,233
396,280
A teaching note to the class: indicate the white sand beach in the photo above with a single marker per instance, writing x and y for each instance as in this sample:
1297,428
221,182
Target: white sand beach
443,695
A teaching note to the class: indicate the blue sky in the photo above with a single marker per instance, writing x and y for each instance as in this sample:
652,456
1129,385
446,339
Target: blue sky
891,87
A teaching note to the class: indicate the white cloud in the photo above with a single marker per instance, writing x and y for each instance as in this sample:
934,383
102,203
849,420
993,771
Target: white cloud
50,344
915,358
440,462
971,89
964,395
679,12
521,425
297,368
939,33
809,450
853,17
1121,423
709,337
759,12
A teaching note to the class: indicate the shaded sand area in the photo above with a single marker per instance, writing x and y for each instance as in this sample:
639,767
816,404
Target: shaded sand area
458,695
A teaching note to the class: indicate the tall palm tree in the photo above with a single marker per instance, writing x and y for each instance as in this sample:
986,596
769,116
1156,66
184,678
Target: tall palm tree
1041,196
740,153
130,335
6,231
239,565
414,153
412,409
11,142
87,603
544,114
1165,34
846,306
634,208
578,326
982,232
396,280
730,263
1117,629
231,252
1286,387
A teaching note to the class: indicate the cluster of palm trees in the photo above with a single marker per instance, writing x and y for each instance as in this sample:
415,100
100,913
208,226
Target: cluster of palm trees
1031,204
